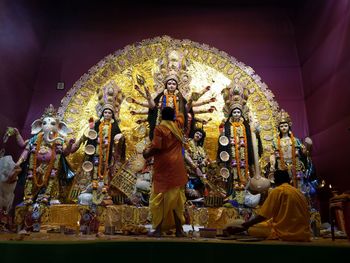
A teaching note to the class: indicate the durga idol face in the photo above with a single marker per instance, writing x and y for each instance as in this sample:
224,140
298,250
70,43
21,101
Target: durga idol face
171,85
236,114
284,128
107,114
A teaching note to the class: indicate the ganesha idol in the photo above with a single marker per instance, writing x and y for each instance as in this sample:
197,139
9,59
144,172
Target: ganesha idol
44,167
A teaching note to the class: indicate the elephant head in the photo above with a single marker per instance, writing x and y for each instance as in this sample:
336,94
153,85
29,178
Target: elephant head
50,124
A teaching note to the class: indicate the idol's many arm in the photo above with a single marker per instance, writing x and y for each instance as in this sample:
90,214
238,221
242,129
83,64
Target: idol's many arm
139,112
71,147
151,103
203,121
203,91
21,143
147,95
204,102
141,103
202,111
137,88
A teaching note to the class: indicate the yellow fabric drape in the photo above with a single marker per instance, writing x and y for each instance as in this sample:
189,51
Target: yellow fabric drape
288,208
162,206
262,229
172,126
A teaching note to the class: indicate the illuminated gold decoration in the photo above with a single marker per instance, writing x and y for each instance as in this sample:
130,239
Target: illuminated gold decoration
283,117
174,65
110,97
235,96
141,63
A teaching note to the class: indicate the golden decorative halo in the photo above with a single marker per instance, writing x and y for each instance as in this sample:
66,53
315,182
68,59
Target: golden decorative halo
207,67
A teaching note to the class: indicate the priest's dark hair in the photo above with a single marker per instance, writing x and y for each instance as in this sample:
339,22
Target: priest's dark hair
168,113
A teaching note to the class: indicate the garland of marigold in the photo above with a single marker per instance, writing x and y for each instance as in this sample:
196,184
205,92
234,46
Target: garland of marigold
245,152
175,105
174,101
283,163
100,129
236,125
51,163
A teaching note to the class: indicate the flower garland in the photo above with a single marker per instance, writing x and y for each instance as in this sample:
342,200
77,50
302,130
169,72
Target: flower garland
282,161
100,132
173,98
237,125
33,163
164,102
245,153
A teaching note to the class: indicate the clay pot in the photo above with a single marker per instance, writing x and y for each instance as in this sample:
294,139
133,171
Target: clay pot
259,184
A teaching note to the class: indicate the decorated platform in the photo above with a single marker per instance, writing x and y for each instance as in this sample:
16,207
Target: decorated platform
120,216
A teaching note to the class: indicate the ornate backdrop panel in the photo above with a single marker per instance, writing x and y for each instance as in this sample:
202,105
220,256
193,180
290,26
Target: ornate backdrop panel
206,66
